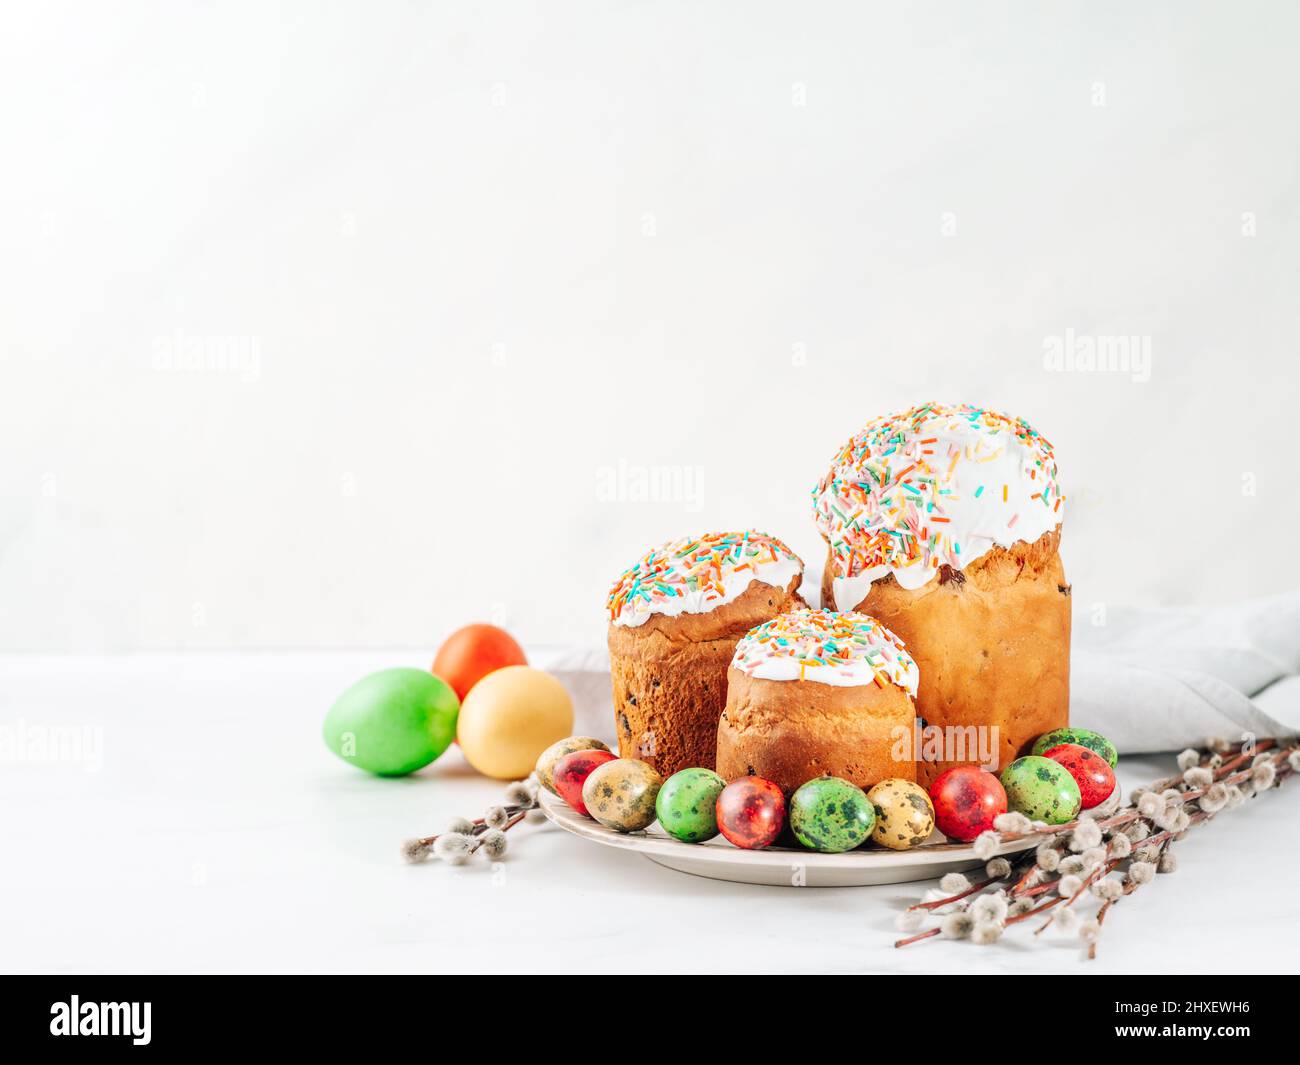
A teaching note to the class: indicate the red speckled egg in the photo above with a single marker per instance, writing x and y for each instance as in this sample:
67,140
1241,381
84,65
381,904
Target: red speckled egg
570,774
966,800
1090,770
751,812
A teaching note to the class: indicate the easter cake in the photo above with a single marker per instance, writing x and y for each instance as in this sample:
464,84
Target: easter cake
814,692
944,523
674,620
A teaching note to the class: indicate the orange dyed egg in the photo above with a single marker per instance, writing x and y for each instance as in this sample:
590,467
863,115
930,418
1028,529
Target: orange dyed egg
471,653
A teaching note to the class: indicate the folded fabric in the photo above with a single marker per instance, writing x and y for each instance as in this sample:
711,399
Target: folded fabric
1151,679
1159,679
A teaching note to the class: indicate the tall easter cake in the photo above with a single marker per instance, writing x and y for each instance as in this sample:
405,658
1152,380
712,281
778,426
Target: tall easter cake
814,692
944,523
674,620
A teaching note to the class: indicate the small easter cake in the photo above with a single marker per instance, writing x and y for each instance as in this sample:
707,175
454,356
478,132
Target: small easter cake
944,522
814,693
674,619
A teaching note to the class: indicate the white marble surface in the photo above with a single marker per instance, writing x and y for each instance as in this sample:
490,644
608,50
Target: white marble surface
214,832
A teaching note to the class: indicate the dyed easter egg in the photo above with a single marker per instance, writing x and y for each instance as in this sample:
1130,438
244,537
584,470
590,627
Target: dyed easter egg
1041,789
832,815
1090,770
510,717
545,767
687,804
471,653
571,771
966,799
1094,741
904,815
621,794
392,722
751,812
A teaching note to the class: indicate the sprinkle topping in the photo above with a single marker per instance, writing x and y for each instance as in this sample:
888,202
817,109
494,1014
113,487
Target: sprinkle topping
821,645
695,574
935,485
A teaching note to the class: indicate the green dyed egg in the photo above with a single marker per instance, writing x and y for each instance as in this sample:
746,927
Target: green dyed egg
1041,789
687,804
393,722
831,815
1094,741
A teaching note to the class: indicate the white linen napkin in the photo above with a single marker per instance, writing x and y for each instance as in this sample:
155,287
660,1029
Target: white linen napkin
1160,679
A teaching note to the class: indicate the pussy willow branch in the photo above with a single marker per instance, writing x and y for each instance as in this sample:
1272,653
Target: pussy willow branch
1034,881
517,812
1130,886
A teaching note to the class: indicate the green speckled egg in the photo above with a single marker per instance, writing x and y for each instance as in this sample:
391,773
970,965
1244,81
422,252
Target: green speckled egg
1041,789
545,768
830,814
1094,741
621,794
687,804
904,814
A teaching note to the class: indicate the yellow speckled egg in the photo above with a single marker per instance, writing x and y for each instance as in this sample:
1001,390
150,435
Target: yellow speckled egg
621,794
904,814
510,717
545,767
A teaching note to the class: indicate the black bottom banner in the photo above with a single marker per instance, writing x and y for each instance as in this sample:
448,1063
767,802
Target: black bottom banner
373,1014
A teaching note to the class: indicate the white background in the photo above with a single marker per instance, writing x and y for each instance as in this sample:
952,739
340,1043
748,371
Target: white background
482,266
335,326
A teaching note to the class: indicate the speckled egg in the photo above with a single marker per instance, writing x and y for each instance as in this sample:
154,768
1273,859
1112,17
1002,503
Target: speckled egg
1041,789
831,815
1095,778
545,768
1094,741
571,772
751,812
621,794
966,800
904,815
687,804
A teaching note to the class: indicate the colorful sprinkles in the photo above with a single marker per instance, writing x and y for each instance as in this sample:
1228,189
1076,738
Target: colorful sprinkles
800,644
902,492
699,566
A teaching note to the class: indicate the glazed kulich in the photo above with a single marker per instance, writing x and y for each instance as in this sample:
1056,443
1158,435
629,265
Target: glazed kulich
815,692
944,523
674,620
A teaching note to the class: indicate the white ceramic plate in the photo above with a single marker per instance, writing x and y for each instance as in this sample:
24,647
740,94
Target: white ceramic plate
720,860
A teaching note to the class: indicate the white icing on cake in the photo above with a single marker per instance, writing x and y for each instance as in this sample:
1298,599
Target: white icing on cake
843,650
936,485
697,574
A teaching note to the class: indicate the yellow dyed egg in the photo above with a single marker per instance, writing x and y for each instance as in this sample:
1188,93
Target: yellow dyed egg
904,814
509,718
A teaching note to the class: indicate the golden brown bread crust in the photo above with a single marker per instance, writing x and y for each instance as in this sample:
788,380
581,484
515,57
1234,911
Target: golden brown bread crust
992,643
670,676
790,731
